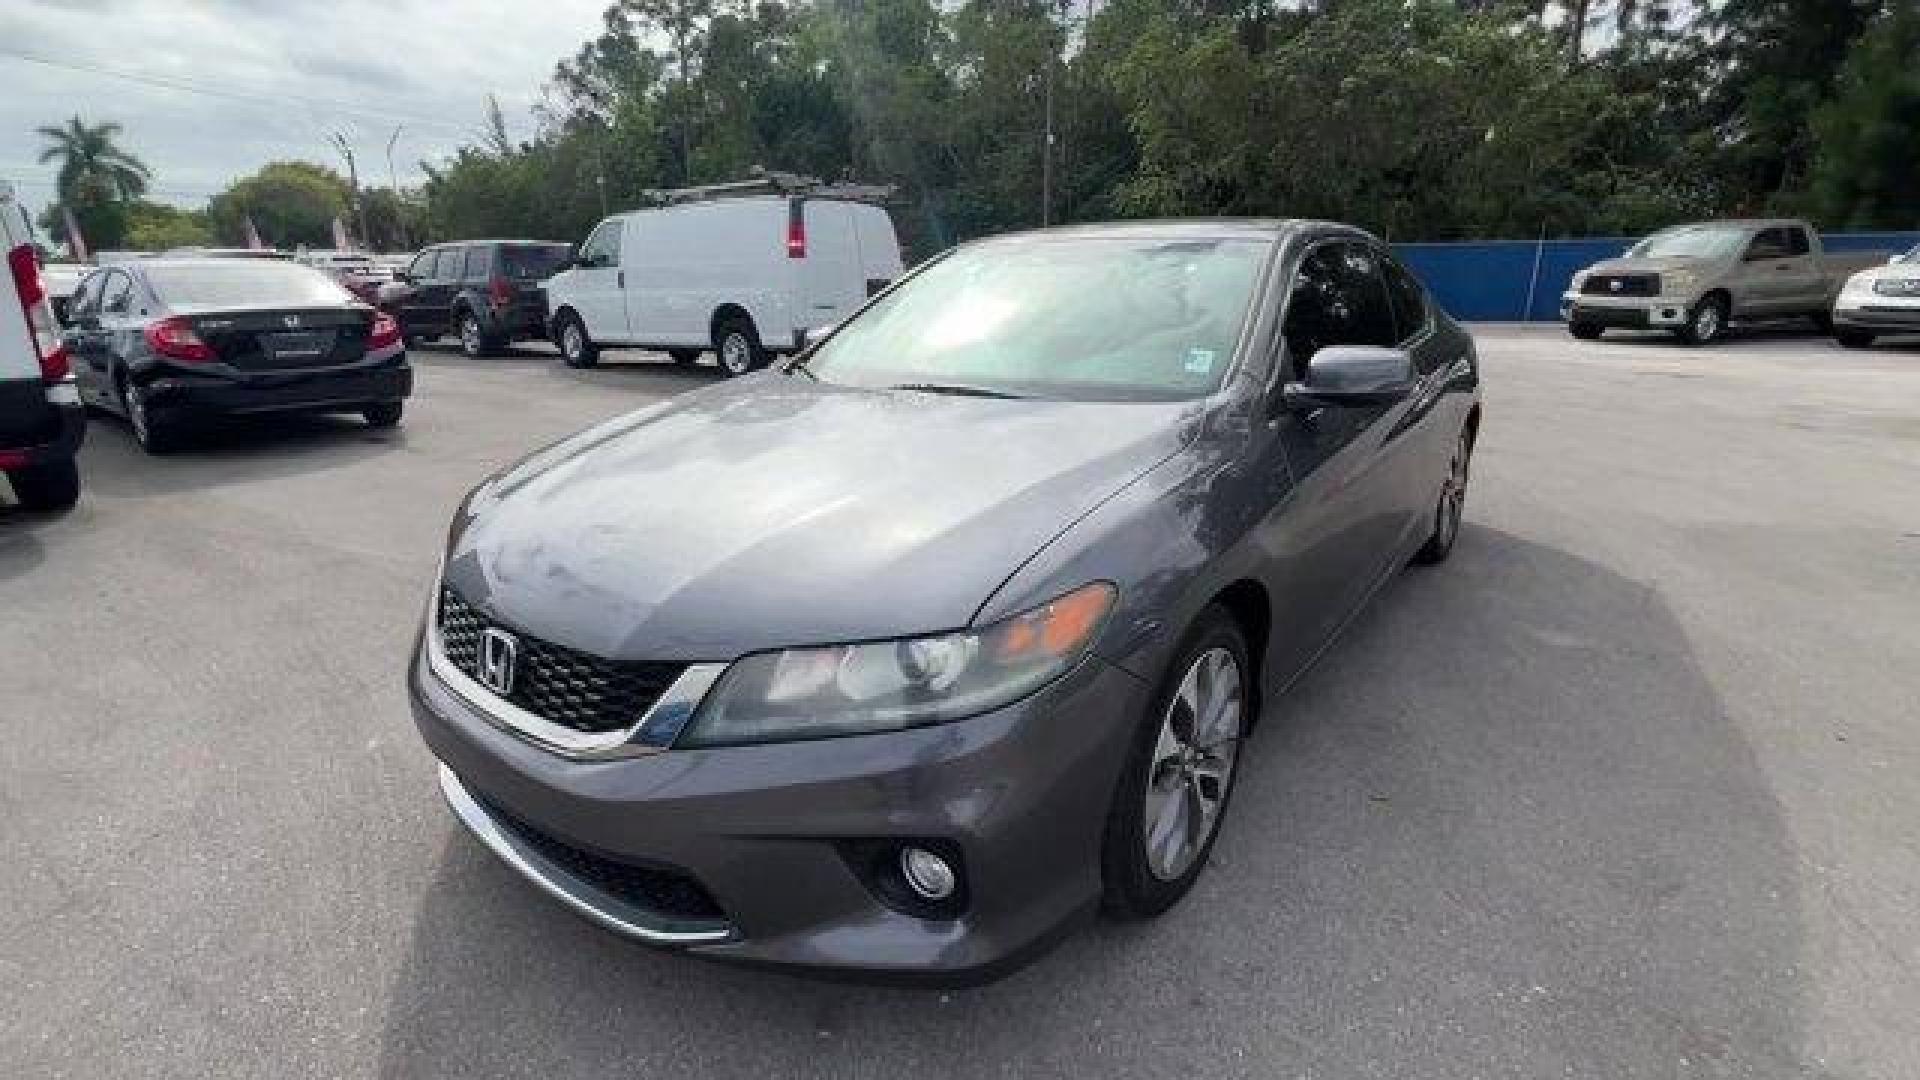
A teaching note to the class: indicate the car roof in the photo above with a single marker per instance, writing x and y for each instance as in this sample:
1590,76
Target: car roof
1269,229
473,243
1741,223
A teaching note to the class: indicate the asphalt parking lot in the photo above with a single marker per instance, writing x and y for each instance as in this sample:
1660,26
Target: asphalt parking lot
1627,789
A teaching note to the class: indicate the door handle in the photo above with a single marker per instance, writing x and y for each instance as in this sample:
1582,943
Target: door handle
620,279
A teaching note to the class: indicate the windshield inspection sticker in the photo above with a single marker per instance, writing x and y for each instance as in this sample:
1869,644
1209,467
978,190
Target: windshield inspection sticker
1199,361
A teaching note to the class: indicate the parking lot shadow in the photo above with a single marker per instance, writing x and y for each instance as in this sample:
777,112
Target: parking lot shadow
1505,828
20,549
228,450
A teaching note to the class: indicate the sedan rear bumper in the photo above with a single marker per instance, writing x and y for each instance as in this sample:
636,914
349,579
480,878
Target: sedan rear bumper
778,836
289,391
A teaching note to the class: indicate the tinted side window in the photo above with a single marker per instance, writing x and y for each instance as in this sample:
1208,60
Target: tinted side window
1338,298
116,296
447,264
478,259
1797,242
421,266
86,298
1409,302
1768,244
603,247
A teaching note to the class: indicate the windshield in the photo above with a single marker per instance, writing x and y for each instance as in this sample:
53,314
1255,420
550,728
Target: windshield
243,283
1089,318
528,262
1694,241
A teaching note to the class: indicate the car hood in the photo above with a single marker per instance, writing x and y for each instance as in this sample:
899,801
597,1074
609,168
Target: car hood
773,511
1888,272
1625,265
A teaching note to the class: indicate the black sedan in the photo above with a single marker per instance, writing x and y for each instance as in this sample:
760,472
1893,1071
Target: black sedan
163,341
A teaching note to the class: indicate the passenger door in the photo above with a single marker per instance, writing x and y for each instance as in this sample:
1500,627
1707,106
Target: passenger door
1333,538
1766,274
418,273
429,306
598,289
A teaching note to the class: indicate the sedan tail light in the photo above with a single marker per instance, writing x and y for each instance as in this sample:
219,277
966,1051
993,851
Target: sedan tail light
39,314
175,339
385,332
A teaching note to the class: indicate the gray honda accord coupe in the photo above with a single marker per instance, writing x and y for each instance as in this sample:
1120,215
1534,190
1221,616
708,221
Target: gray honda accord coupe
897,659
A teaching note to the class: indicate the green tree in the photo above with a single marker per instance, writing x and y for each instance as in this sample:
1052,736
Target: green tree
291,203
1866,162
155,226
96,179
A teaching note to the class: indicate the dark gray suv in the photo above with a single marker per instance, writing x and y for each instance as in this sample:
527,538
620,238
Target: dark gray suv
898,658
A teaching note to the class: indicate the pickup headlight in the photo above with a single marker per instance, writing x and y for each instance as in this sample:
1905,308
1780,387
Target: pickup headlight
816,693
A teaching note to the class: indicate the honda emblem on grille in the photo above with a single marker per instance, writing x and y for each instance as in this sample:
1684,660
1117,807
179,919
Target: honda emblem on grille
290,321
499,659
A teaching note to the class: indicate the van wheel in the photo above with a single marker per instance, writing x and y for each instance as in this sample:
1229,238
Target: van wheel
737,345
685,357
50,486
576,348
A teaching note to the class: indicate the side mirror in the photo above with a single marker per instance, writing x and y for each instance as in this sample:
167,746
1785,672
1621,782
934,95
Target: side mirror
1351,376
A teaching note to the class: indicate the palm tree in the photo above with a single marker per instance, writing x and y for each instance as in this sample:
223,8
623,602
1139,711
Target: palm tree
92,168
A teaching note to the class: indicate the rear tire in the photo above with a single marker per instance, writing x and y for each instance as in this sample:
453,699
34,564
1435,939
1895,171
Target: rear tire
1452,507
474,341
1854,339
384,414
155,434
577,350
736,344
48,487
1142,873
1586,331
685,357
1705,323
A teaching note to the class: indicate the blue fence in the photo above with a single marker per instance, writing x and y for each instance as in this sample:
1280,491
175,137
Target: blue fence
1492,281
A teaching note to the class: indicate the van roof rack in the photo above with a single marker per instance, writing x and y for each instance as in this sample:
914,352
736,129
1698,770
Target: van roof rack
769,182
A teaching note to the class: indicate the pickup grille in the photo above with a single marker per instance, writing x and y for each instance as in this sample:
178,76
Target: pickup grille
1622,285
560,685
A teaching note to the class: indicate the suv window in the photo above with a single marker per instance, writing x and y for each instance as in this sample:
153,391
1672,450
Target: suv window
1338,298
1797,242
603,247
447,264
422,265
478,259
116,296
1768,244
1409,302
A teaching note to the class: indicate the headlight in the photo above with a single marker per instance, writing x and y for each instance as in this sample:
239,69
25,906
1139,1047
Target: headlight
1858,283
815,693
1679,281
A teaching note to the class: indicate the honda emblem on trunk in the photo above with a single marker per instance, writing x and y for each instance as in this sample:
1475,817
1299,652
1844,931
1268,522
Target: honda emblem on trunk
290,321
499,659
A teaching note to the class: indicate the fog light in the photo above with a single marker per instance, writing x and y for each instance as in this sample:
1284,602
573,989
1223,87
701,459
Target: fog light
927,874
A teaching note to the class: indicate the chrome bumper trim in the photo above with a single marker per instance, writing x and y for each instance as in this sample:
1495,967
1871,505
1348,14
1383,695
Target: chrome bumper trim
609,912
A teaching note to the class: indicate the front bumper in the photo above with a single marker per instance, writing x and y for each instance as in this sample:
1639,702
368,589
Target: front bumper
1633,313
338,389
1021,795
1879,314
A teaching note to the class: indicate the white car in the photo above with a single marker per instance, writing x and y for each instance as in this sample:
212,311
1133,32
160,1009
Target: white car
41,422
745,276
1880,301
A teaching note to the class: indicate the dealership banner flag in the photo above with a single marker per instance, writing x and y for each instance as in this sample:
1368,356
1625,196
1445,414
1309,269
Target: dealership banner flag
253,234
340,241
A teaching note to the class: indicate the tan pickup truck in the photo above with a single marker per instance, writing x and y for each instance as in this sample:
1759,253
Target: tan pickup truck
1696,279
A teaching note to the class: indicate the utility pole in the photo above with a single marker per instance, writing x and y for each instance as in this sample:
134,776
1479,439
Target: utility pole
353,182
1046,151
393,181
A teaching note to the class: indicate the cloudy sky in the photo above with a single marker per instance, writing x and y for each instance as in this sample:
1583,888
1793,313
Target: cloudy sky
210,89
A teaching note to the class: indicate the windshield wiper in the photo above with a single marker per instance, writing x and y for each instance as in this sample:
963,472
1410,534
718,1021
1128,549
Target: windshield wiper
956,389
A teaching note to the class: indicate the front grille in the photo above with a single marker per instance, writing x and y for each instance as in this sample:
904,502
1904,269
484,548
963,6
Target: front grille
1897,287
560,685
1622,285
654,888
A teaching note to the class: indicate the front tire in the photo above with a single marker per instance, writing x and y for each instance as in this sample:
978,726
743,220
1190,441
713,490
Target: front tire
48,487
1452,507
1179,776
737,346
384,414
1586,331
1705,323
1853,339
577,350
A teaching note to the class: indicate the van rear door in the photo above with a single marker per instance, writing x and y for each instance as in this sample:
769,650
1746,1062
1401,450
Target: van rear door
832,282
880,260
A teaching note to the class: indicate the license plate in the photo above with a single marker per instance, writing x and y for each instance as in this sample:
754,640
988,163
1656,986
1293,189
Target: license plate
304,345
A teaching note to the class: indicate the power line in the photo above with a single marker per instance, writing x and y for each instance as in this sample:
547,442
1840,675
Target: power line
167,82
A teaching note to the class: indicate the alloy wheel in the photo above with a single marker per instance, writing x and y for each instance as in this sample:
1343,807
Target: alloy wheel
1191,768
1453,495
1706,321
736,353
136,404
470,335
571,344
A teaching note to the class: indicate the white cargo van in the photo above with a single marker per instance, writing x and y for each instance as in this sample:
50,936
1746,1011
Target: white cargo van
41,423
745,276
